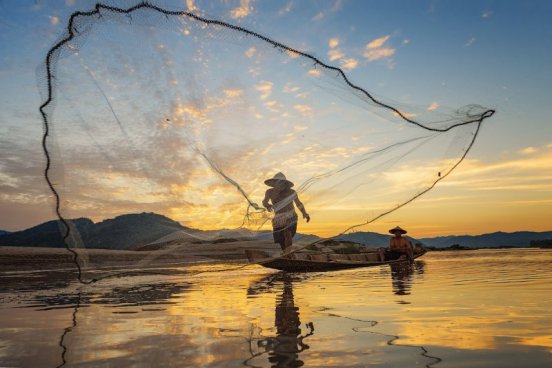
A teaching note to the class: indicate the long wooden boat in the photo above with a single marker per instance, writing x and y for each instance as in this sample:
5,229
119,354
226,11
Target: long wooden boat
320,262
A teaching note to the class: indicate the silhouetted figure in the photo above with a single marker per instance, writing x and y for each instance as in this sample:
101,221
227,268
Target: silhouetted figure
401,276
280,199
288,343
398,246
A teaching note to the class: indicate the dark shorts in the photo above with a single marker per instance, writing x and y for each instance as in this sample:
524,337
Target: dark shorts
391,255
278,232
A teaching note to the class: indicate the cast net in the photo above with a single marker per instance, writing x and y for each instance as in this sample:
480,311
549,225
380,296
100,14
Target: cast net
152,110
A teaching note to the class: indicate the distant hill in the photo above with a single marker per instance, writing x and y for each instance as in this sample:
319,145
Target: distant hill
493,240
134,231
125,231
4,232
120,232
47,234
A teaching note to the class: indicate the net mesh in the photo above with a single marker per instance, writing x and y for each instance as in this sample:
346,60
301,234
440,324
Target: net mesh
157,110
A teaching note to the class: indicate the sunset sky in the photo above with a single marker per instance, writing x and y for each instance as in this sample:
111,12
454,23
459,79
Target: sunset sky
425,56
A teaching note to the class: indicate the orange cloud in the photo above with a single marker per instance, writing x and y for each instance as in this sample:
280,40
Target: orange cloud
433,106
376,49
349,64
333,43
377,43
243,10
335,54
265,88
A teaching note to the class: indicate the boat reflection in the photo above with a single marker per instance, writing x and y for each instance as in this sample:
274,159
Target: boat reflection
283,349
402,276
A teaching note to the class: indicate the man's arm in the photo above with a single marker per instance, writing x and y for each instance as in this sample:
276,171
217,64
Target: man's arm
301,208
266,199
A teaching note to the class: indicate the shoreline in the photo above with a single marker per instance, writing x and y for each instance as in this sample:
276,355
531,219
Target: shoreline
14,259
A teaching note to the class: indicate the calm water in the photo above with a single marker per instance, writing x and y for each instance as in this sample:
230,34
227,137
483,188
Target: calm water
453,309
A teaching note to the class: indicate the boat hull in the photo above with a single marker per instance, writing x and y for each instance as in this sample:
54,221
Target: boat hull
300,265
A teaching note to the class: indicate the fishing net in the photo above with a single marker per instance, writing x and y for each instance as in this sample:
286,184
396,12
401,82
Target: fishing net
152,110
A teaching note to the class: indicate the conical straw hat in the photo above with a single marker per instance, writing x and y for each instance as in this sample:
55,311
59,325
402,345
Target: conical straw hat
399,229
278,178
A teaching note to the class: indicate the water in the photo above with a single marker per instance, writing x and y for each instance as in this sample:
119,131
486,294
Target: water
486,308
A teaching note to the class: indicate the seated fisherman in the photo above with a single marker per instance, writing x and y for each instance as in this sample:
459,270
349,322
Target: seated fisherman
398,246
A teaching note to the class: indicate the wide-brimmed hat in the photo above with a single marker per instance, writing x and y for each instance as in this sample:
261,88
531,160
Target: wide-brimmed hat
397,229
278,178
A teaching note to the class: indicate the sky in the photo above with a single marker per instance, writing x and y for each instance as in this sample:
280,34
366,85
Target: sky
424,56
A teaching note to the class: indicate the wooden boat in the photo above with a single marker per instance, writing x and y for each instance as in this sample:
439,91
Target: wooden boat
320,262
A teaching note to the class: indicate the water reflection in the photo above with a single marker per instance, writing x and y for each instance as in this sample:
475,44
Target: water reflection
484,311
402,276
131,296
67,331
283,349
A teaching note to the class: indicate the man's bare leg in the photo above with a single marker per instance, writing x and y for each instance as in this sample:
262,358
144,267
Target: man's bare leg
381,253
288,239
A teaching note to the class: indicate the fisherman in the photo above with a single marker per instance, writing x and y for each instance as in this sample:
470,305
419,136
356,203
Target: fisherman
398,246
284,223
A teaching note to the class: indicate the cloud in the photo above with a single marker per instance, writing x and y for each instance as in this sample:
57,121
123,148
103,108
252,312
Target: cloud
233,92
529,172
528,151
349,64
286,8
54,20
405,114
272,105
486,13
336,6
383,53
333,43
433,106
314,72
303,109
290,88
470,42
335,54
243,10
377,49
377,43
191,6
265,88
250,52
318,16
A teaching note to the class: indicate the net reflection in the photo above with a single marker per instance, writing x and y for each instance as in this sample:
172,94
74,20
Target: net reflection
283,349
402,276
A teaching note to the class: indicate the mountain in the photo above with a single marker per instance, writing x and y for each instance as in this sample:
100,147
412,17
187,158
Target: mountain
493,240
4,232
47,234
133,231
125,231
121,232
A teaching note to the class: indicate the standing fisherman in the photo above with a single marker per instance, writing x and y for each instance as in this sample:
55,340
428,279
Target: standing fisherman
284,223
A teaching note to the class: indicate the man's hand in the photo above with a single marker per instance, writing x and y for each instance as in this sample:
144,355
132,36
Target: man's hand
269,208
306,217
